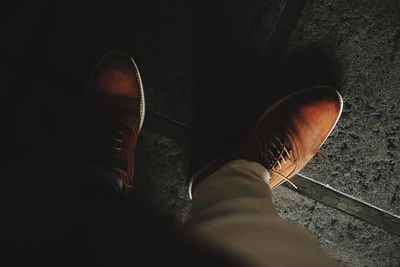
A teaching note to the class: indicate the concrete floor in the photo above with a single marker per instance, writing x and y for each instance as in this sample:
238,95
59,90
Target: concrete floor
361,157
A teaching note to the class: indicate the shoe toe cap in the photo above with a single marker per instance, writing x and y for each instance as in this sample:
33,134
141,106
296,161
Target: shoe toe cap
322,109
116,74
316,118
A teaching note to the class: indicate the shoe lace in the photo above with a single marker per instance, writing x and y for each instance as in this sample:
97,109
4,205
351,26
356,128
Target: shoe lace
118,135
276,154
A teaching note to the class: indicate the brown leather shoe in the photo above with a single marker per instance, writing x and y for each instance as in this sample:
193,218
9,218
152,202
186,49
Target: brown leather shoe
111,116
286,136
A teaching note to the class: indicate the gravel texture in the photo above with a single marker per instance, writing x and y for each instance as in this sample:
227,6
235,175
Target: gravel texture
361,157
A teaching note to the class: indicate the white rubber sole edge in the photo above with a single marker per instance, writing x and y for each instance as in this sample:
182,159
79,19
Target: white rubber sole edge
142,102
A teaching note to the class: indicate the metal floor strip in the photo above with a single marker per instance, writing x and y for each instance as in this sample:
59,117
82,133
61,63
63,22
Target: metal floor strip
334,198
306,186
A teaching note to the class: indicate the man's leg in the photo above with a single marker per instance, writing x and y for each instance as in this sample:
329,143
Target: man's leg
233,211
232,207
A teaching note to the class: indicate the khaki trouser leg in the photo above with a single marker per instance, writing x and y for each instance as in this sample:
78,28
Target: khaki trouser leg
232,211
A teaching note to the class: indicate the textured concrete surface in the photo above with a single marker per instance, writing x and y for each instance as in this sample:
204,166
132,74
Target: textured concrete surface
361,158
161,174
166,57
350,241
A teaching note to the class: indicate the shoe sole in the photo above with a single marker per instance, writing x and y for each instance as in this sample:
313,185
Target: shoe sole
141,92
